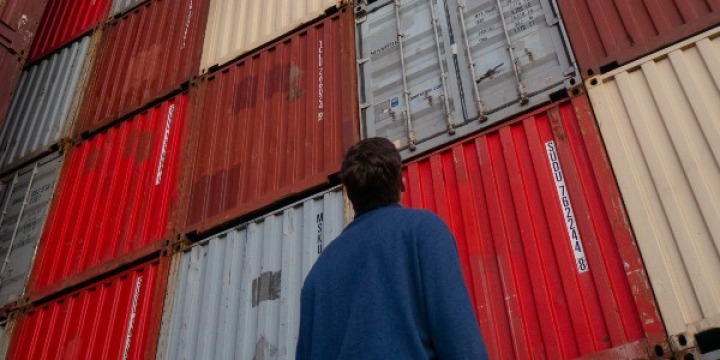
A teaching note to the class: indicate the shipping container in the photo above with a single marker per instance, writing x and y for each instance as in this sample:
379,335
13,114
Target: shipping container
43,104
19,20
433,71
237,294
271,125
64,21
109,319
145,55
121,6
10,69
25,197
607,33
660,119
548,257
235,28
114,200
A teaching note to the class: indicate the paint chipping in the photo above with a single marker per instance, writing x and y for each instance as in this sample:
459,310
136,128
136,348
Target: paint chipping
266,287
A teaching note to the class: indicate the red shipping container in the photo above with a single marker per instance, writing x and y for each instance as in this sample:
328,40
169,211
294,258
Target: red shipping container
10,70
115,318
19,20
271,125
545,246
65,21
143,56
113,200
607,33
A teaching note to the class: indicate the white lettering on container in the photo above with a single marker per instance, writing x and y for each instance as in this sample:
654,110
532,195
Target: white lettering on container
187,24
321,104
567,210
163,152
131,322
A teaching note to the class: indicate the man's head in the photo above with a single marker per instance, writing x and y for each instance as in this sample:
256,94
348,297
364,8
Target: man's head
372,175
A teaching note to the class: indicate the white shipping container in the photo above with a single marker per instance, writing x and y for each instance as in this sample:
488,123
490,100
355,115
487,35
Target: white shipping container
431,71
660,120
237,294
25,197
236,27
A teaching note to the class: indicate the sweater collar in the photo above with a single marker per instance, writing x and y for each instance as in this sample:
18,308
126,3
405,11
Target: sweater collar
388,206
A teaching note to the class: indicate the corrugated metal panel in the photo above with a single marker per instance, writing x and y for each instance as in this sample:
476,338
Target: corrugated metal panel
120,6
65,20
237,294
547,254
18,21
10,69
114,198
144,55
24,199
660,119
40,110
235,28
432,71
605,33
271,125
109,319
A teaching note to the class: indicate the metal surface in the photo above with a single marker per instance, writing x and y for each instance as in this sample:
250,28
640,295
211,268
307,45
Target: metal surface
144,55
19,20
237,294
64,21
10,69
235,28
271,125
109,319
114,199
120,6
40,112
660,119
24,201
605,33
434,70
517,232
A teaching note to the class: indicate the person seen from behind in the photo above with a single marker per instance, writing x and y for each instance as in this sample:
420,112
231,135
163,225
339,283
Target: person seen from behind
390,286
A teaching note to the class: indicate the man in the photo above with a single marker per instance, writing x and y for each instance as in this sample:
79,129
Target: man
390,286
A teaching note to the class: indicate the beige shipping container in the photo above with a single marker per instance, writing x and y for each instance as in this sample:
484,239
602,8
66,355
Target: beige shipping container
660,121
236,27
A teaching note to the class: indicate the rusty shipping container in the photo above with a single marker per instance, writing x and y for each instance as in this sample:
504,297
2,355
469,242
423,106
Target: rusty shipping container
432,71
44,104
114,199
113,318
546,250
237,293
235,28
64,21
10,70
271,125
19,20
25,197
660,119
607,33
143,56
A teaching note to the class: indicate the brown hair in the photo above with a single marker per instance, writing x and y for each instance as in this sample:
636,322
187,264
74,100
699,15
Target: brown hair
372,175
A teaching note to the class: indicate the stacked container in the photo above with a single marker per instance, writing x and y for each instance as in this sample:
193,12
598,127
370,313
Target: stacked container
178,164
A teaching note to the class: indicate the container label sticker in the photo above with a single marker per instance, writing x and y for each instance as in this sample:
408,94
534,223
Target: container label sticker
320,237
163,152
567,210
321,105
131,323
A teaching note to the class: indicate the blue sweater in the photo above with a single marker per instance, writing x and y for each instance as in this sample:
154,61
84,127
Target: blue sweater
389,287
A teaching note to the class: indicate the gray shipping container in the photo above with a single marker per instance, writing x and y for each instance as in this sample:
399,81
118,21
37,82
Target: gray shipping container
41,107
25,198
431,71
121,6
237,294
